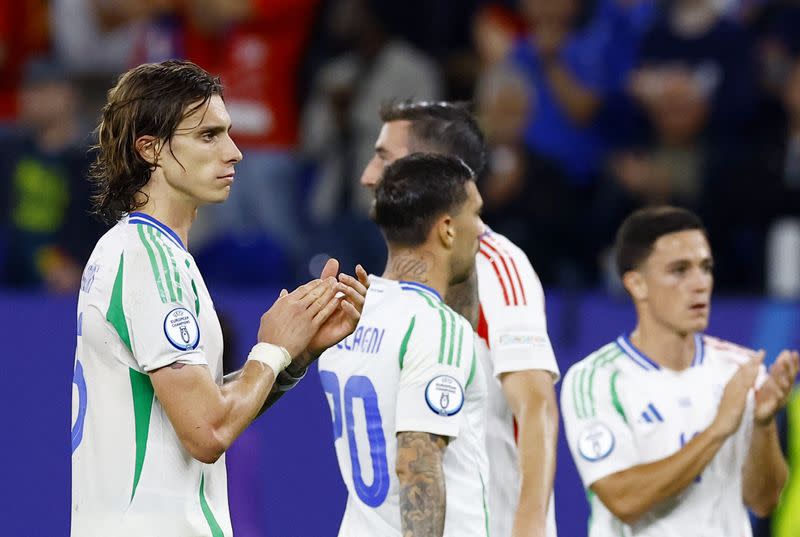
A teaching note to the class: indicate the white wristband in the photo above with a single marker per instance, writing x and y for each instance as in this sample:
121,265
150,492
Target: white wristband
273,355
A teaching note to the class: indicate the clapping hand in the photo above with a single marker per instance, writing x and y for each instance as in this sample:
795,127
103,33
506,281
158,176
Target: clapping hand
776,390
343,321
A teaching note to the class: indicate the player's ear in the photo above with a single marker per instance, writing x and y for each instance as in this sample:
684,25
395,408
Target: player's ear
446,231
148,148
635,285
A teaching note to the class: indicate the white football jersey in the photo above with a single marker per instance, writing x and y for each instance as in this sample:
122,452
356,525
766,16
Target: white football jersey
410,365
621,409
513,336
142,305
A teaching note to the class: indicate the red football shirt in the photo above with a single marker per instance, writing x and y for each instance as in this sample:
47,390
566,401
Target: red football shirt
258,62
23,34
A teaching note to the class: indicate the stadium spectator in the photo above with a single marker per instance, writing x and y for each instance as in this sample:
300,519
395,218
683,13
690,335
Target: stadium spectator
691,44
256,47
46,225
91,37
667,166
768,182
23,35
566,59
340,124
523,192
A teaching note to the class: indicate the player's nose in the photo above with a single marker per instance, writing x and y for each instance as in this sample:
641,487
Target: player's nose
371,174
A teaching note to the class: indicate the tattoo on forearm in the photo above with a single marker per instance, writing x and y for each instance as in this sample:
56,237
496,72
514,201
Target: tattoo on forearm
422,485
463,298
412,267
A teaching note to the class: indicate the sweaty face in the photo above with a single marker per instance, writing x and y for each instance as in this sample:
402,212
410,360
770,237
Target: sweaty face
392,144
468,228
677,281
198,162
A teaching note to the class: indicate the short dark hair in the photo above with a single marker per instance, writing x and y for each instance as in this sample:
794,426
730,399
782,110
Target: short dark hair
151,99
416,190
441,127
640,230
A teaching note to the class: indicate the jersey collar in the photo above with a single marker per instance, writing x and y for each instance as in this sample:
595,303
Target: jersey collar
146,219
415,286
647,363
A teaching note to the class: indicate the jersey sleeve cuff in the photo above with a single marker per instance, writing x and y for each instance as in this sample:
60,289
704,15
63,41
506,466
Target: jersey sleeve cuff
439,426
525,358
189,358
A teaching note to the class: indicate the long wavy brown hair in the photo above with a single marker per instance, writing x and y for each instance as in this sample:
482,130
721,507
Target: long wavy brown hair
151,99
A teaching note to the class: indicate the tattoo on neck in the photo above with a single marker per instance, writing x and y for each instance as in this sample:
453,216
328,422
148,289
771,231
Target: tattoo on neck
413,267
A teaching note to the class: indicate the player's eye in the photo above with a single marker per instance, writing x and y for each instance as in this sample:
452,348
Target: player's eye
208,136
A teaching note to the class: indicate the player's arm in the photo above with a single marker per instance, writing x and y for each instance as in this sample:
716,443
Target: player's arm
765,470
207,417
632,492
422,486
524,362
532,399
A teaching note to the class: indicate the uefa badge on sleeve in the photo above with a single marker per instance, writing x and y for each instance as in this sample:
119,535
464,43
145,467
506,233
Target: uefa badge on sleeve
181,329
444,395
596,442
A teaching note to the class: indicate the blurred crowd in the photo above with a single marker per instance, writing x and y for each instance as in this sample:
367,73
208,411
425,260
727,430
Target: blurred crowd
591,108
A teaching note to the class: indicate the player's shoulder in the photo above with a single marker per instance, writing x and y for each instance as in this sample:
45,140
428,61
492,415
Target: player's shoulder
715,349
506,269
428,308
424,301
501,246
145,234
607,360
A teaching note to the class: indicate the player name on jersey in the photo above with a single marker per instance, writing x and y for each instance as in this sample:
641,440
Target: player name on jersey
365,339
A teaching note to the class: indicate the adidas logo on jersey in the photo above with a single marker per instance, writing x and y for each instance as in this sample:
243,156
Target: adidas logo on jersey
651,415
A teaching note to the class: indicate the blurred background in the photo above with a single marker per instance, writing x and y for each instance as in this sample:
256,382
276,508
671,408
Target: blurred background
591,108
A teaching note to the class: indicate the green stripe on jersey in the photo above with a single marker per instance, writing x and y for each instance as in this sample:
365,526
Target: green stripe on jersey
196,299
601,361
404,343
213,525
583,381
471,369
485,510
168,277
142,392
116,314
615,396
443,337
153,263
175,274
460,341
452,338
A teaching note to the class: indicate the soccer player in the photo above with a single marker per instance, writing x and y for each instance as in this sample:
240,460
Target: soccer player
152,413
504,301
667,430
406,391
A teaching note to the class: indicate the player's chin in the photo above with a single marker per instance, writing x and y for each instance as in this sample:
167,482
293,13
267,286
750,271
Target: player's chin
697,324
219,195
